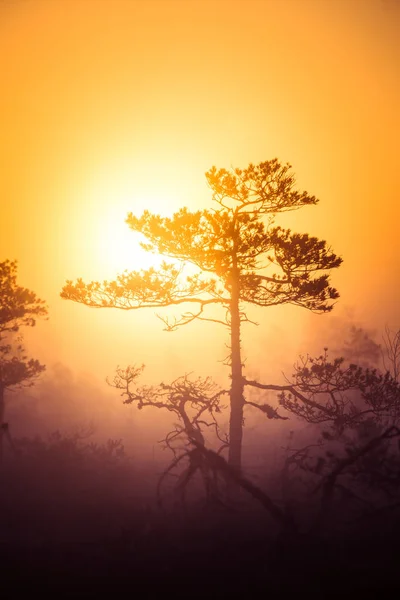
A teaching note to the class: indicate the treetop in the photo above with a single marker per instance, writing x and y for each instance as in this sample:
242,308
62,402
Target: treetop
18,305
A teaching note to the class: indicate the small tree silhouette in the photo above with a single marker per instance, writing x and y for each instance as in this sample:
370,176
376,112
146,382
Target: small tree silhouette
19,307
234,247
195,403
359,409
391,352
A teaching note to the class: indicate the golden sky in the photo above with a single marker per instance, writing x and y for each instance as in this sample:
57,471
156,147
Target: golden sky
110,106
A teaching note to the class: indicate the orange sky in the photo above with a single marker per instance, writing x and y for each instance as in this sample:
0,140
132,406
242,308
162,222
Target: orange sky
110,106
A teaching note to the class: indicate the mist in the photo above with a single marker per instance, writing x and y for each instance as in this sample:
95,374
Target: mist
257,449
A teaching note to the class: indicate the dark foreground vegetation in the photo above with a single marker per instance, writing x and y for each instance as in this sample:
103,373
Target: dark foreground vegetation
80,519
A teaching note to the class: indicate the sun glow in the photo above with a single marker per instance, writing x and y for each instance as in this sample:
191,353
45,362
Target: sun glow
109,246
118,247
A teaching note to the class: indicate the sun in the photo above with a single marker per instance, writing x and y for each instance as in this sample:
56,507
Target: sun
117,247
105,245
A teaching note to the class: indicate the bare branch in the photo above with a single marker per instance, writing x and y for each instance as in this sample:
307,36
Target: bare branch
329,482
272,413
391,355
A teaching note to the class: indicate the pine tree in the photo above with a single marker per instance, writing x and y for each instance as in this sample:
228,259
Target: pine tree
241,258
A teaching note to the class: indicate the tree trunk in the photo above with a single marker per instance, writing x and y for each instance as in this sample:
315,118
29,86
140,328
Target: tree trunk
236,392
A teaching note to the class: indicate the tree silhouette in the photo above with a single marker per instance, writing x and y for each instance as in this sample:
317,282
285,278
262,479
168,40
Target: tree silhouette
194,402
391,352
19,307
241,258
359,410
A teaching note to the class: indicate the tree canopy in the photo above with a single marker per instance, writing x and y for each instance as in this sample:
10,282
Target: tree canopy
19,307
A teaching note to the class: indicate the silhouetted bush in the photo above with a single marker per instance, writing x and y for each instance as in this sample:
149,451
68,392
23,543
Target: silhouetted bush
67,487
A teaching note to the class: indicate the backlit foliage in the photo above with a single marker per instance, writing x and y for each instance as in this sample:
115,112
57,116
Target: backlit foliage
274,265
19,307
